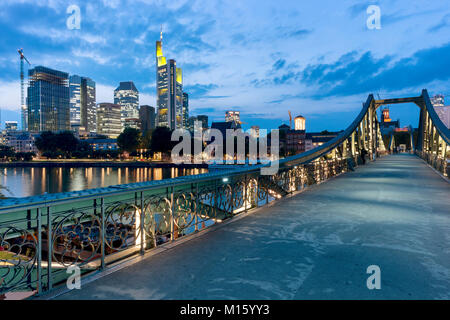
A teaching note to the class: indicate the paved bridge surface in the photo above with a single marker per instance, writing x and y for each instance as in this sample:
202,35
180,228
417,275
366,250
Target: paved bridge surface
394,213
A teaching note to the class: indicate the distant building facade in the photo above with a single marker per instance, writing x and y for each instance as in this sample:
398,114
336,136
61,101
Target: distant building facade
232,116
19,141
48,100
109,120
316,139
134,123
203,119
255,131
102,144
147,118
127,96
387,126
441,109
295,141
83,105
11,126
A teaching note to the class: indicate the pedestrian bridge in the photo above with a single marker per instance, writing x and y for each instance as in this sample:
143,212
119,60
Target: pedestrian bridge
393,213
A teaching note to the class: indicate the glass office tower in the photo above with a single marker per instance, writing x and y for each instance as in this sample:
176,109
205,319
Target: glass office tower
169,91
82,104
48,100
109,120
185,110
127,96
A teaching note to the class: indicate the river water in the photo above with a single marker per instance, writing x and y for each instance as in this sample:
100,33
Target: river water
30,181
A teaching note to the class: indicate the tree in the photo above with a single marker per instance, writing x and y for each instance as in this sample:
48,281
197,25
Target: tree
46,142
6,152
161,140
55,145
146,141
129,140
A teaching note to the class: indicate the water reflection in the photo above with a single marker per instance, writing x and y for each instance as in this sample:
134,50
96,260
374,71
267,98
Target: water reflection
24,182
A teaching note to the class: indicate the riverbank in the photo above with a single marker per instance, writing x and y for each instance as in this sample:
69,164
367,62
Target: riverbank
100,164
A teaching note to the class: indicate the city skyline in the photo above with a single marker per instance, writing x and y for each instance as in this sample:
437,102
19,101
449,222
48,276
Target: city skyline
227,63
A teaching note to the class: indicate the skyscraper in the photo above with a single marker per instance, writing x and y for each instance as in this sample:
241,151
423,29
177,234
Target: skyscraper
169,91
147,118
48,100
127,96
109,119
185,110
82,104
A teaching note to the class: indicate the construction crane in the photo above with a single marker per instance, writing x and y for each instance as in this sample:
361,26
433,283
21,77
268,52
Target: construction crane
290,119
22,95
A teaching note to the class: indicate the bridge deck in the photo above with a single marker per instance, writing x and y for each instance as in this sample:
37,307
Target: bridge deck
393,213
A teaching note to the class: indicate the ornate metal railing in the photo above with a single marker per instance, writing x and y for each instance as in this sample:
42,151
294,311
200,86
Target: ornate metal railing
40,240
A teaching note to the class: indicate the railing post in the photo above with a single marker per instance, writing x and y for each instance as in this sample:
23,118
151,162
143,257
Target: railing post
172,205
39,251
245,193
102,233
49,249
197,201
257,192
141,224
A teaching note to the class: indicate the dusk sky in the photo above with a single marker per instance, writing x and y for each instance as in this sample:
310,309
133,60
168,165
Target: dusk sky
263,58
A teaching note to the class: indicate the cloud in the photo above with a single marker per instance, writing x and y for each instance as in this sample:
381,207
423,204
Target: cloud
361,74
10,95
199,90
444,23
97,57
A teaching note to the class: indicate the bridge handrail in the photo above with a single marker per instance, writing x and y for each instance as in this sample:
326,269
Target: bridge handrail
16,204
442,129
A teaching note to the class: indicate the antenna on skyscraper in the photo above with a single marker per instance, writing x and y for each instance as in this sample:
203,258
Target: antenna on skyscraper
160,36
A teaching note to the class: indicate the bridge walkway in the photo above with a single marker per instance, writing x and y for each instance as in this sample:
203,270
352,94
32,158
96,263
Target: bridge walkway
393,213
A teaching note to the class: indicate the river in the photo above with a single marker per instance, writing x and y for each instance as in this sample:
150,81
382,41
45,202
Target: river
31,181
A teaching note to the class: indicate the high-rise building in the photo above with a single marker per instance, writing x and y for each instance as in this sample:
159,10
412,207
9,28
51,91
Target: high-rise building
127,96
169,91
82,104
204,120
48,100
75,102
109,119
185,110
232,116
147,117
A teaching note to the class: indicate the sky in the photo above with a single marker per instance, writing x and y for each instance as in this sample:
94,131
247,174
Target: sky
317,58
